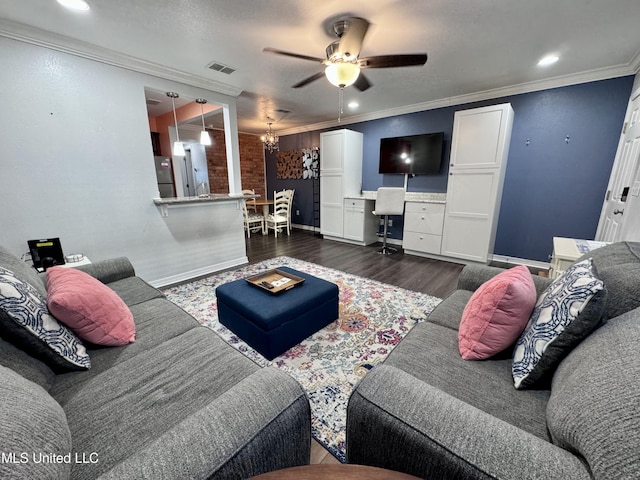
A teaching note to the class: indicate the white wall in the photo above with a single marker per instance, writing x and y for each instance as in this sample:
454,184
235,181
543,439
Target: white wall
76,162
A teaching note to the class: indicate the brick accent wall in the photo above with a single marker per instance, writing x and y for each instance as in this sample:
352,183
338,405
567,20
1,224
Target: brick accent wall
252,169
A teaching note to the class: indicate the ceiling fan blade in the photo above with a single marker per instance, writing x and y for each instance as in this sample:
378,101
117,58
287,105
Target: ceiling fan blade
308,80
352,38
391,61
362,83
294,55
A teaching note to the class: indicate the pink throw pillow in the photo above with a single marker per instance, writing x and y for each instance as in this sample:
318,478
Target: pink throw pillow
89,307
496,314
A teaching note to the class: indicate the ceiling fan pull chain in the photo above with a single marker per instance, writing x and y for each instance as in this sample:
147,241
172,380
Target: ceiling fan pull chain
340,103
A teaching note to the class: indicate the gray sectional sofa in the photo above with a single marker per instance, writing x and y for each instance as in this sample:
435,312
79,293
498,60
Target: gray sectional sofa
427,412
177,403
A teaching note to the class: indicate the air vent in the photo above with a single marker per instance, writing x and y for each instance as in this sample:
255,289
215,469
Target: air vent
153,101
219,67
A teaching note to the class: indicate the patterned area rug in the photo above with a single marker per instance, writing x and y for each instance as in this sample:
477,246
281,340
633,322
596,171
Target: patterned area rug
374,317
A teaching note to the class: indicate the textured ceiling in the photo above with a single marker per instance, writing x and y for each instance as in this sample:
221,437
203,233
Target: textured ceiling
475,48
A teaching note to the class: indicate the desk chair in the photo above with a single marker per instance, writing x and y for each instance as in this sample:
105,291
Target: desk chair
389,201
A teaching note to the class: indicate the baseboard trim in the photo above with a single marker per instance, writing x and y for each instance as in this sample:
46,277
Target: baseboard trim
305,227
198,272
521,261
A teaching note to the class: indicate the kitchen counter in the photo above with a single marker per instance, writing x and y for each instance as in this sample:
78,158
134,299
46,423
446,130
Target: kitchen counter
165,203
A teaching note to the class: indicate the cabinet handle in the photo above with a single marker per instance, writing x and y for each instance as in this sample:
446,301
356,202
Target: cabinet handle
422,217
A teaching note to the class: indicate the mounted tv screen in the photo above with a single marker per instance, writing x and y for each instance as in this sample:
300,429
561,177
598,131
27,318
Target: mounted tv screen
415,154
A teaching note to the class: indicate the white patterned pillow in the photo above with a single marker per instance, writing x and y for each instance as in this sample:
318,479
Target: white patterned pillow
566,313
25,321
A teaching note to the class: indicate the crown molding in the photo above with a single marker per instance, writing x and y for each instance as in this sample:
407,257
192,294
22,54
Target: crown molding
53,41
630,68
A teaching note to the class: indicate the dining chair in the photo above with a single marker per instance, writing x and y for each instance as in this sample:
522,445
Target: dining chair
251,202
253,222
290,193
280,216
389,201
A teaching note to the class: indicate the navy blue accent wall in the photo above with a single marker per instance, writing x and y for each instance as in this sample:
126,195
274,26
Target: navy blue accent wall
553,187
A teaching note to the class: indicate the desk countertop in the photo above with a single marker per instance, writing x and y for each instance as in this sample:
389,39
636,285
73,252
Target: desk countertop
425,197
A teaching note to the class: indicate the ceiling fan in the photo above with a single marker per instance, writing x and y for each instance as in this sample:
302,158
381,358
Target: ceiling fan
343,62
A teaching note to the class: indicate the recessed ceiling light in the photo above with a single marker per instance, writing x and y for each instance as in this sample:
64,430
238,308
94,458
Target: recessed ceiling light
74,4
353,105
548,60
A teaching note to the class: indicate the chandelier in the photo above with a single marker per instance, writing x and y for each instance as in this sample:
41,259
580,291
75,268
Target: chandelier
270,140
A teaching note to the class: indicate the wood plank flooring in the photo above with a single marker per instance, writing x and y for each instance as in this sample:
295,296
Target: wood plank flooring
424,275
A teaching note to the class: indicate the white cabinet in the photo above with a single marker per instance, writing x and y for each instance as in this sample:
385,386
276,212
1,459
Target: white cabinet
479,151
360,224
340,177
423,228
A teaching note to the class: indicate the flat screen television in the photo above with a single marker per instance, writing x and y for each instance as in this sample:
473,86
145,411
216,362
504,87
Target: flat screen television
414,154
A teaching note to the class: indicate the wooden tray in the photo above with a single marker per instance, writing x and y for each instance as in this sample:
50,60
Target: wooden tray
275,281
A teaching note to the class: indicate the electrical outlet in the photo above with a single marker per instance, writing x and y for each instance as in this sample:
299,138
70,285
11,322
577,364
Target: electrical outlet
391,222
297,212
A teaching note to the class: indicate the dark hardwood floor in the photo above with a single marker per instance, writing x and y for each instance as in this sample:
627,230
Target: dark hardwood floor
425,275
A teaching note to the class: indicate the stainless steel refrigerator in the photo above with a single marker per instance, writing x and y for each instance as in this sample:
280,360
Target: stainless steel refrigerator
164,174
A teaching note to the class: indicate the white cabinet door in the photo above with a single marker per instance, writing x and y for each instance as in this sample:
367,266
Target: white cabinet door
354,219
332,152
331,205
471,200
479,137
479,152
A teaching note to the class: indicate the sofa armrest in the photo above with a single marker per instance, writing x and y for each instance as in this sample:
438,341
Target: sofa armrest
472,276
261,424
398,422
110,270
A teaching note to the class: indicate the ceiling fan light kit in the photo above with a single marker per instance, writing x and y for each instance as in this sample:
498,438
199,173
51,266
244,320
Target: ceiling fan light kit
342,57
342,74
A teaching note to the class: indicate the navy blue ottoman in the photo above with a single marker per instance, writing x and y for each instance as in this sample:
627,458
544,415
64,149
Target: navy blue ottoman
272,324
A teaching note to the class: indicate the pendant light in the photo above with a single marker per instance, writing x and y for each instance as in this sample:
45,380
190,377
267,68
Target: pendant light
178,147
205,139
270,139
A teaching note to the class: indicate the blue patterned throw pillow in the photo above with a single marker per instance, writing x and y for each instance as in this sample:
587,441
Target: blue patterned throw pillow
25,321
566,313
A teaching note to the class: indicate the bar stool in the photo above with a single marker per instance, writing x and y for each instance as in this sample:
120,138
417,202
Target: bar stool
389,201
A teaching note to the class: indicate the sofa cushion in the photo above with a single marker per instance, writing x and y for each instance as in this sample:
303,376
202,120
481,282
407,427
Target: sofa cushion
567,312
24,364
31,424
134,290
594,407
496,314
26,322
430,353
618,266
449,312
22,270
157,321
119,407
91,309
